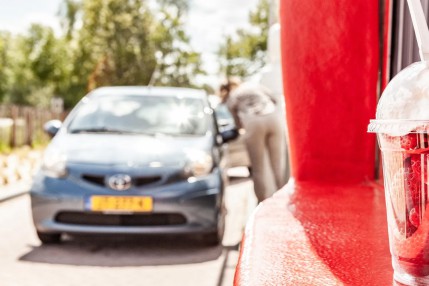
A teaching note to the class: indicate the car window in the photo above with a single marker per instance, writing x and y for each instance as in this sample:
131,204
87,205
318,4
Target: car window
142,114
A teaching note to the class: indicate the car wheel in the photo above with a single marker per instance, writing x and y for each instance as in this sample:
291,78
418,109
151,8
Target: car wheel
49,238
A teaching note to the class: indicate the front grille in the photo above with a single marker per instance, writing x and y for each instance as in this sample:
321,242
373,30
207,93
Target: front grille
98,180
98,219
137,181
141,181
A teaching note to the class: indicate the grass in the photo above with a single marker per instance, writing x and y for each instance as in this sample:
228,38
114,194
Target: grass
5,148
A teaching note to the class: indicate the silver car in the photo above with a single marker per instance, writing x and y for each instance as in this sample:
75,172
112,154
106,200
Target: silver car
133,160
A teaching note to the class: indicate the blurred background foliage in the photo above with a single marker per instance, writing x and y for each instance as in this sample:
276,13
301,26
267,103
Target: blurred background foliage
117,42
243,53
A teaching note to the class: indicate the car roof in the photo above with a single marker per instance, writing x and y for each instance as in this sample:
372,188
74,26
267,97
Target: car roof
148,90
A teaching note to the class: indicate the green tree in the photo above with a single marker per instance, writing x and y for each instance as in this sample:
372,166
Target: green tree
112,46
69,13
179,63
243,54
5,42
105,42
39,67
117,41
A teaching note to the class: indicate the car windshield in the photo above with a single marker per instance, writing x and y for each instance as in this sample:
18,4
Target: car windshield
152,115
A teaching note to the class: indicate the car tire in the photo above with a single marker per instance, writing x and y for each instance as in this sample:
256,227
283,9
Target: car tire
49,238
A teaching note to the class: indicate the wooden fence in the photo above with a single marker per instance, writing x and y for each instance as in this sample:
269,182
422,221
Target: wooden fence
23,125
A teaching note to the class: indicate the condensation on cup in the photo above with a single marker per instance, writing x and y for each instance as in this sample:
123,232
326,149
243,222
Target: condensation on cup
402,127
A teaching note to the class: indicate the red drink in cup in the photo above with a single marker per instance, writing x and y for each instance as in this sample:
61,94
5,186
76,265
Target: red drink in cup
402,128
405,162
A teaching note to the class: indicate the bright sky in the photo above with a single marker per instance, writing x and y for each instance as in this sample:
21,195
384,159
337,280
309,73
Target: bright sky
208,22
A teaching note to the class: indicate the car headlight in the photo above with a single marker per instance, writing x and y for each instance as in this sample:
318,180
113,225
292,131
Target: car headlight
54,164
200,163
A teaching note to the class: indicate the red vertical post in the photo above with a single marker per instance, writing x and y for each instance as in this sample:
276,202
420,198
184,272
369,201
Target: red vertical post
330,55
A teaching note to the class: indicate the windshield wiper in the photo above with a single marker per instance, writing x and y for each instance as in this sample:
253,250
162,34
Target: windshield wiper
109,130
97,130
177,134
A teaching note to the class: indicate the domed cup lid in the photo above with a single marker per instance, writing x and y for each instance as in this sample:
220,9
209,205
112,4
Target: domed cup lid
404,105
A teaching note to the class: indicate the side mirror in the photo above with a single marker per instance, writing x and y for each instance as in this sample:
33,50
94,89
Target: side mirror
51,127
229,134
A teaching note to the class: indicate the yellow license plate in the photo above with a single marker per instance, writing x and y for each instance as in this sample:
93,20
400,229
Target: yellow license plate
114,203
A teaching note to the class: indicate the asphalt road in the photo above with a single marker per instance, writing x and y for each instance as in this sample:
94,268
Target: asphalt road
109,261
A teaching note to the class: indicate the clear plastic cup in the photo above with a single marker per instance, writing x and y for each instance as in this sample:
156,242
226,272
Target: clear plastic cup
405,161
402,127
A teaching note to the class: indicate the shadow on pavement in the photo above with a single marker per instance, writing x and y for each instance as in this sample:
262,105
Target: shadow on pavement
124,251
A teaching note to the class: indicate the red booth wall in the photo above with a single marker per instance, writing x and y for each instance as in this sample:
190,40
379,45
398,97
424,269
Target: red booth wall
330,58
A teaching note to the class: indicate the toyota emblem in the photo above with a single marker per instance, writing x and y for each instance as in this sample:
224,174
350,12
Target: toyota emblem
120,182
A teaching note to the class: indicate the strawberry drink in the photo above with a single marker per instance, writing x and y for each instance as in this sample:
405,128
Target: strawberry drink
405,161
402,128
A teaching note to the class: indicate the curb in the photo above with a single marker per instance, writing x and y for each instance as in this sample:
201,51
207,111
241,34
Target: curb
14,190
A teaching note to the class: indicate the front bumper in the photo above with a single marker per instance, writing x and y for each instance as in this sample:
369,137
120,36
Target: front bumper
198,200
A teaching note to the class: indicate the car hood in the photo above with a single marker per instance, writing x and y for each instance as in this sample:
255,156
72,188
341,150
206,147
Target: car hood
131,150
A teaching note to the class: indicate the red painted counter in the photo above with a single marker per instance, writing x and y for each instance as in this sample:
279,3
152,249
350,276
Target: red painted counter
317,234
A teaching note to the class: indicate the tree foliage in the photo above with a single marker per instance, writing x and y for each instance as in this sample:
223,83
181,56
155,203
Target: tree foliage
104,42
112,45
244,52
178,63
4,63
37,64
